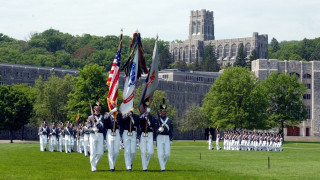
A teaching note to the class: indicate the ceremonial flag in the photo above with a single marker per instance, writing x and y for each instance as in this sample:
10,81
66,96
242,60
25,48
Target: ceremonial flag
151,80
113,79
129,86
78,117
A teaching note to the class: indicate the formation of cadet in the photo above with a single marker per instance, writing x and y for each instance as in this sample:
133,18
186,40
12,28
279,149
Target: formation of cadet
252,141
105,132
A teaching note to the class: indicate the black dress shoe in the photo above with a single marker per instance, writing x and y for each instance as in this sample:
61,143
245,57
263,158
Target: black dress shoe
162,170
129,169
112,170
145,170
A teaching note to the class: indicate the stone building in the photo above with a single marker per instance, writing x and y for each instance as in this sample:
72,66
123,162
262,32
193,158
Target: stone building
307,73
17,73
183,88
201,34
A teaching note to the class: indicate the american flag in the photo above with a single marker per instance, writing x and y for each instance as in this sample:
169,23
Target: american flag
113,79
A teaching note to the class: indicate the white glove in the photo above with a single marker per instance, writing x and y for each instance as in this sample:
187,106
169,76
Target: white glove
95,130
114,110
148,110
170,143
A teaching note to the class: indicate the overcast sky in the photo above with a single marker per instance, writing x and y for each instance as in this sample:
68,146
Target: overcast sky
282,19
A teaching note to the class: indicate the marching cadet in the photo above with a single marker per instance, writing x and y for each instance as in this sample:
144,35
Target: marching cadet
164,138
81,139
218,140
148,126
73,138
43,132
113,119
67,137
97,131
210,141
129,127
86,143
53,137
61,137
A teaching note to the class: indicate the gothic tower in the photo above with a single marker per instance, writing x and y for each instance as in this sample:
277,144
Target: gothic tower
201,25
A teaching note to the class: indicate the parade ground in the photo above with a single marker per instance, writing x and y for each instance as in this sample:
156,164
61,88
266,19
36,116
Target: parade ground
188,160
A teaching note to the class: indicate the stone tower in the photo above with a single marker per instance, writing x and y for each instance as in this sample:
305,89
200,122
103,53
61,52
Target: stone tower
201,25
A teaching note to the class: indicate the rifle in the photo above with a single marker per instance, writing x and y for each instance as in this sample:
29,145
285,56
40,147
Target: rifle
94,122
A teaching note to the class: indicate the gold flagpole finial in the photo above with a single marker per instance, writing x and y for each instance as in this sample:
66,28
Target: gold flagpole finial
157,36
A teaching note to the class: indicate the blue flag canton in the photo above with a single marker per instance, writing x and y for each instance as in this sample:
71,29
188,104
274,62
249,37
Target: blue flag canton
118,55
132,77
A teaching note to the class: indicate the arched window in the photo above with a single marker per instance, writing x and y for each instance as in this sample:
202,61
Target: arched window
226,50
233,50
297,74
186,52
307,76
219,51
175,53
193,53
180,53
247,49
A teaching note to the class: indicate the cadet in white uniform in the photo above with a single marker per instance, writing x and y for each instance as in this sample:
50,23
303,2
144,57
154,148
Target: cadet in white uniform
218,140
129,127
210,142
86,136
97,130
113,136
43,136
147,136
61,138
53,138
67,137
164,138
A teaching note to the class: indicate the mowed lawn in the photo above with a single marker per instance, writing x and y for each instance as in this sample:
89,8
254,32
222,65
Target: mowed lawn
299,160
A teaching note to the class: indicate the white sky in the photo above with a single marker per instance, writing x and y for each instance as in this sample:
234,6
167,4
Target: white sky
282,19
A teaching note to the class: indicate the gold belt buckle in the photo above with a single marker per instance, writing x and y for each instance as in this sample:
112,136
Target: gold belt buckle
145,134
129,133
113,133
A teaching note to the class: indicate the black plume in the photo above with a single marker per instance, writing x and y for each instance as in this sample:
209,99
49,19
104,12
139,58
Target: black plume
164,101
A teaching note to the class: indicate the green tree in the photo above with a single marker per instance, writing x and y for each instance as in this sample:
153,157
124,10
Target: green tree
209,61
235,101
90,83
316,53
274,45
52,97
194,119
16,109
284,94
241,57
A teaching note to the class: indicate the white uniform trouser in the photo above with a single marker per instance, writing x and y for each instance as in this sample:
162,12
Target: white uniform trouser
96,149
80,144
52,143
129,147
217,144
163,150
146,148
210,144
86,144
113,147
61,143
43,142
67,142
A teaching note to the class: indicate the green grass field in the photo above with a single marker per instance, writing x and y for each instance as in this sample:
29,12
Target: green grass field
299,160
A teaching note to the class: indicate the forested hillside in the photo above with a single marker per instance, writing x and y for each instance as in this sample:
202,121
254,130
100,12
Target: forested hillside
306,50
56,49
